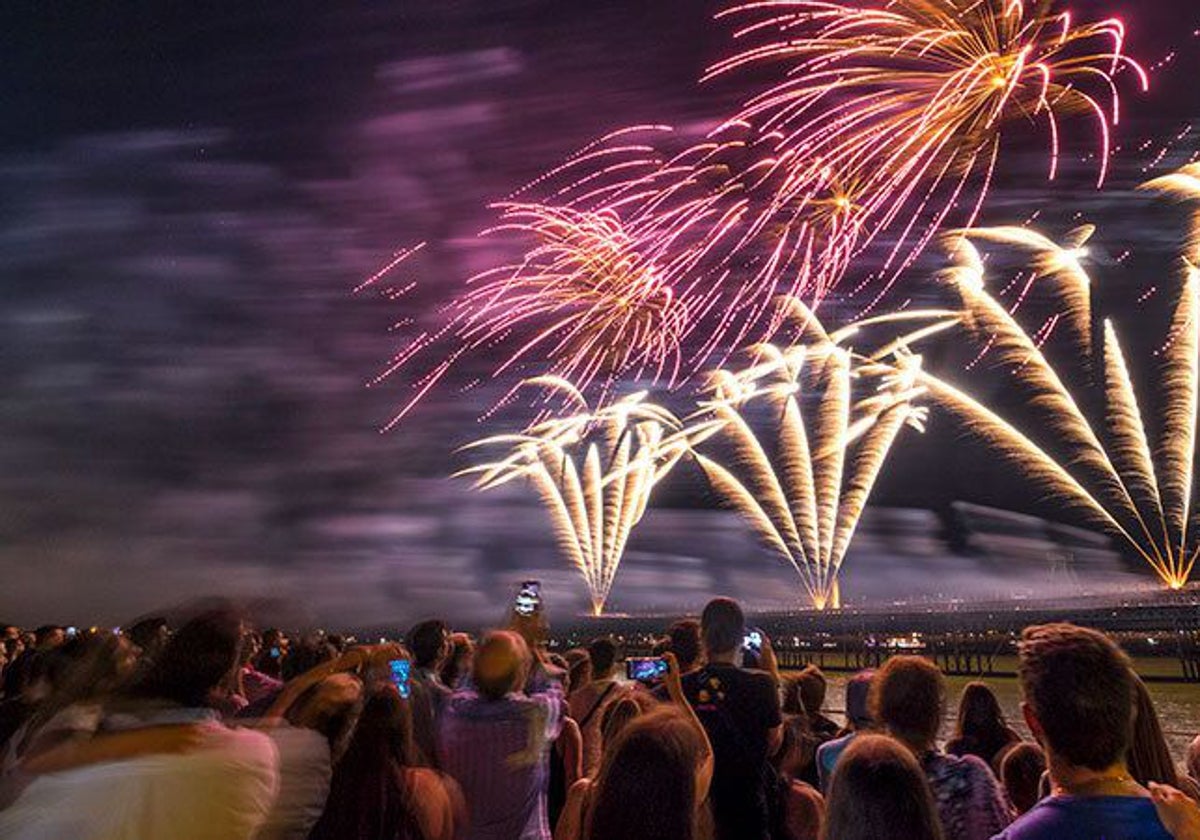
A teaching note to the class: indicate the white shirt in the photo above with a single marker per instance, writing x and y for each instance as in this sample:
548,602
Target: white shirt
221,791
304,775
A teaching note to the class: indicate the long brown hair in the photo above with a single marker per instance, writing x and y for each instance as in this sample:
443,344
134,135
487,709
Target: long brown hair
370,797
646,788
879,792
981,720
1149,757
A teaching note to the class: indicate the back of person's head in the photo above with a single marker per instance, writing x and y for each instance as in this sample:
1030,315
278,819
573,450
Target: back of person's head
331,708
576,655
1021,769
722,626
49,634
908,695
149,634
979,712
602,652
458,662
195,660
85,669
1078,686
500,664
812,688
858,701
647,785
579,670
427,643
879,792
43,672
685,643
383,733
616,716
797,749
312,651
369,796
1149,758
791,704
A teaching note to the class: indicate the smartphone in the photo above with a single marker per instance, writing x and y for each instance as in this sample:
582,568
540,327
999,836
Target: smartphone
275,652
646,669
529,598
401,670
752,642
72,632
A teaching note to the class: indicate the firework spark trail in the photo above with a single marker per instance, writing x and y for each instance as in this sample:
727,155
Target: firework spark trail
1013,347
908,101
1180,389
595,472
1061,264
1139,488
1183,185
802,480
638,264
583,296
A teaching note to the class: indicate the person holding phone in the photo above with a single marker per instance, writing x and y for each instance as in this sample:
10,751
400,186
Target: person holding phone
661,758
740,711
495,739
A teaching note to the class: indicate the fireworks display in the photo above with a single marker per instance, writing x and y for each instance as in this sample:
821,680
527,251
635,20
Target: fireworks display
583,296
639,261
1137,486
908,100
1183,185
594,472
803,455
653,254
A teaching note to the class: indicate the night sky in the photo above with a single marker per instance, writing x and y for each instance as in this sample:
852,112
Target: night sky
187,198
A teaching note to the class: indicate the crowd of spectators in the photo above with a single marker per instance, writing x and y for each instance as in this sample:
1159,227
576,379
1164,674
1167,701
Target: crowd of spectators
213,730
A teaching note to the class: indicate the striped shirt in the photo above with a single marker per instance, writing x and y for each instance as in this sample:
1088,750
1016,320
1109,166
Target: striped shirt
497,751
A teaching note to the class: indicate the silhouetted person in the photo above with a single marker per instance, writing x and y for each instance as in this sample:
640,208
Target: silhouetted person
740,711
653,782
16,674
812,686
429,644
1149,757
981,729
